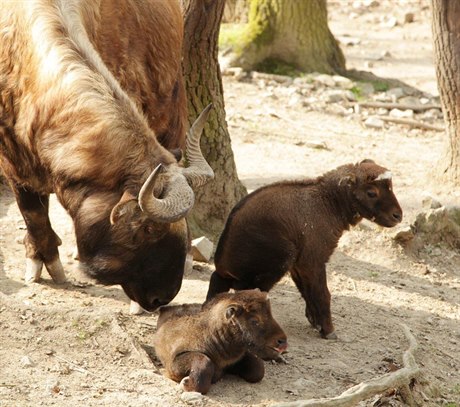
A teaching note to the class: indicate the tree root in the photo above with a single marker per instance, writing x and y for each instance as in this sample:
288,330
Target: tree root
365,390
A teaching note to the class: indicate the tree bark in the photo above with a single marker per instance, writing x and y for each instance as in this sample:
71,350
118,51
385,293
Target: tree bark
291,31
446,37
204,85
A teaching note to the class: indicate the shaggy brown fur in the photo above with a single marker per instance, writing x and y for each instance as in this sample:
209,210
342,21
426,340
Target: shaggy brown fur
229,334
294,226
76,78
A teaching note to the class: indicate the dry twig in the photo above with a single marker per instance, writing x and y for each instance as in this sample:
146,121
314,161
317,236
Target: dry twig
400,106
365,390
411,122
74,366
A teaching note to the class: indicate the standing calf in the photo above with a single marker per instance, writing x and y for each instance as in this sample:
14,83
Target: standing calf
295,226
229,334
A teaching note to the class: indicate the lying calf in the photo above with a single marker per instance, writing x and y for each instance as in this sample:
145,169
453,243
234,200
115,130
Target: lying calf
295,226
230,334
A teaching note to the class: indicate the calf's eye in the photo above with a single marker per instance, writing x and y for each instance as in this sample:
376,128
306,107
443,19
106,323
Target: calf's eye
372,194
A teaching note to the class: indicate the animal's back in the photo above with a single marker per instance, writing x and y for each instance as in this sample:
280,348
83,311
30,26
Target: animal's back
263,229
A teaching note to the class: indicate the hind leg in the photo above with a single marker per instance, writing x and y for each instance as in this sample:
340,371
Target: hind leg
250,368
218,284
41,242
311,281
195,371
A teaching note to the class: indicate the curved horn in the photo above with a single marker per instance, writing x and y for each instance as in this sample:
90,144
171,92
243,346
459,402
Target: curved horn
198,171
177,201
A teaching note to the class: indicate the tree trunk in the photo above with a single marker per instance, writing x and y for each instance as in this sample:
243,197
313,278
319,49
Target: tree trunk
446,36
204,85
291,31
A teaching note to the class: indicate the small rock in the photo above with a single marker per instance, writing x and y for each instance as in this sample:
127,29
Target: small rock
318,145
191,397
390,22
386,54
366,88
202,249
428,202
334,96
325,80
374,123
401,113
382,111
135,308
351,97
368,64
404,235
410,100
395,93
342,82
26,361
433,114
52,386
409,17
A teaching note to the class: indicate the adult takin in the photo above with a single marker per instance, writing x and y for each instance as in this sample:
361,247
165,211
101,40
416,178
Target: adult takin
295,226
91,100
231,333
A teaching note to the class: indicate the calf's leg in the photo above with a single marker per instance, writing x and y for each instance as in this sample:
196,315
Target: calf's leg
312,284
217,285
250,368
196,370
41,242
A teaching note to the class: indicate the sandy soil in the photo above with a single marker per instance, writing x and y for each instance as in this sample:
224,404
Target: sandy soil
77,345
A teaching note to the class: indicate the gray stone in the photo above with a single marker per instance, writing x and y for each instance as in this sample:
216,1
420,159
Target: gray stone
407,113
325,80
202,249
26,361
191,397
342,82
334,96
428,202
374,123
396,93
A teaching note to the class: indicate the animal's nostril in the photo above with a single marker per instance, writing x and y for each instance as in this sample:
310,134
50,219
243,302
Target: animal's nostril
397,216
282,344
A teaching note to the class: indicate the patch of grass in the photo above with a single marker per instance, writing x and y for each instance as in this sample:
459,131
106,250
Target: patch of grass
357,91
380,86
277,67
374,274
230,35
451,404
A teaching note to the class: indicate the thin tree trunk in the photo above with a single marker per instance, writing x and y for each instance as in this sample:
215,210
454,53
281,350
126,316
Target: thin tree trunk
204,85
292,31
446,37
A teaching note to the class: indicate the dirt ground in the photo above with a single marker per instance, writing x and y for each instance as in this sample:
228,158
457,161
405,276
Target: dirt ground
77,344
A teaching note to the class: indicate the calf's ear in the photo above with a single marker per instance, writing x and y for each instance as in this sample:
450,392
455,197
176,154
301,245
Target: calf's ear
233,311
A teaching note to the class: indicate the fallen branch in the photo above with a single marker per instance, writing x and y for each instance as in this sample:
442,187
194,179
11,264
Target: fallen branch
143,355
74,366
400,106
365,390
411,122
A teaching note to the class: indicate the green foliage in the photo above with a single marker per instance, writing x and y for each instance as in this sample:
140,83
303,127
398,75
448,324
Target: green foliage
230,35
277,67
356,90
380,86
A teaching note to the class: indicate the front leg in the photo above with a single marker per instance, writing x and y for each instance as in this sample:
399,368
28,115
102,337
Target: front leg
41,242
311,280
250,368
195,371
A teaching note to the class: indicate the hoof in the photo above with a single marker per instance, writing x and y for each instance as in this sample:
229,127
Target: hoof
135,308
56,271
185,384
33,270
332,336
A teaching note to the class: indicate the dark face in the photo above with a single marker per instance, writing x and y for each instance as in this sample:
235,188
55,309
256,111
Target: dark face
377,202
263,334
146,258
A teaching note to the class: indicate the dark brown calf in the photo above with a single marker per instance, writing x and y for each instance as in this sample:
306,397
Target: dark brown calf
295,226
230,333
